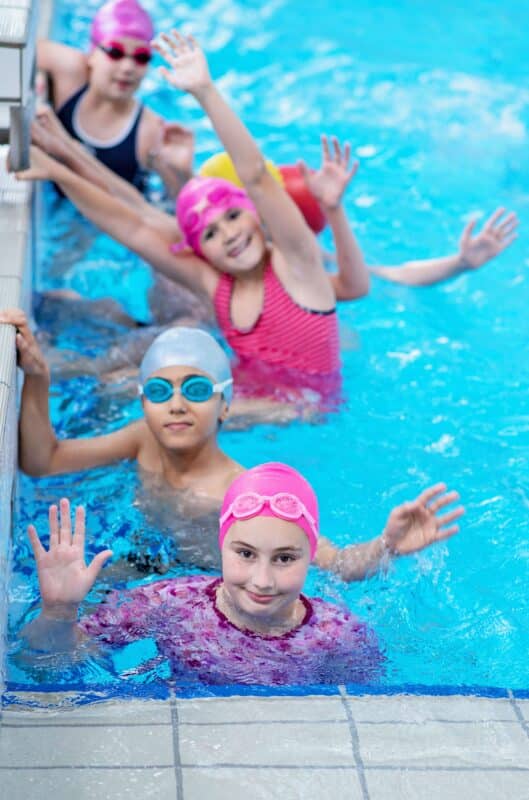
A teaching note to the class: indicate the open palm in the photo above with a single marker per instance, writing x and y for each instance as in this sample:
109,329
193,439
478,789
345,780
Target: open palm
331,180
415,525
64,578
498,233
189,67
177,146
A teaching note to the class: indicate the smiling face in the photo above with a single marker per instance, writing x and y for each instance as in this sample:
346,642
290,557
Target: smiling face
117,79
181,424
264,566
233,242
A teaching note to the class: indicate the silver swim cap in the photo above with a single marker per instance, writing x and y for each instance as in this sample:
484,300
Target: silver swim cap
188,347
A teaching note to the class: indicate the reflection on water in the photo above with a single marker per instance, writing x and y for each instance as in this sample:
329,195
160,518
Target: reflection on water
181,528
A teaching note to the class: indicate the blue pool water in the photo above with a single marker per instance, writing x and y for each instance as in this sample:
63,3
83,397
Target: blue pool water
436,106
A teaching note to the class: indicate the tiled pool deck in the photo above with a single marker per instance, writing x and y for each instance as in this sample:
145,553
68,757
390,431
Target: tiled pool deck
318,747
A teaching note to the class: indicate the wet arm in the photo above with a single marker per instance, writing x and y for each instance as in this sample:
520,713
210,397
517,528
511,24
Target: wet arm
355,562
42,453
66,66
128,227
475,249
424,272
282,218
352,279
83,163
52,635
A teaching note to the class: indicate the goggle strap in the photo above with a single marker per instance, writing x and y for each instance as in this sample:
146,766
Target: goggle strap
219,387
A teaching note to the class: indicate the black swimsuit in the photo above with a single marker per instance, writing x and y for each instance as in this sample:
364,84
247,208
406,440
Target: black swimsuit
119,154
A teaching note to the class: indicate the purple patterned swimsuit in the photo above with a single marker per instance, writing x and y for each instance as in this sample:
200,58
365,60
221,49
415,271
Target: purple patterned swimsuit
329,646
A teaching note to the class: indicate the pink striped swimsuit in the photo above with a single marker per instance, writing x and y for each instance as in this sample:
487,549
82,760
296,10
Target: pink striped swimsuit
288,346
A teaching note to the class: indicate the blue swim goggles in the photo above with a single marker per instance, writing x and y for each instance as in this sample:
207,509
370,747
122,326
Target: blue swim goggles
195,388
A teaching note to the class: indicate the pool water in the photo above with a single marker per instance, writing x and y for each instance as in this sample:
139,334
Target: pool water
436,106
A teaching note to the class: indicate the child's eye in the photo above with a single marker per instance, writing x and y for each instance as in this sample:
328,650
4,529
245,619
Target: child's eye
285,558
233,213
245,553
209,233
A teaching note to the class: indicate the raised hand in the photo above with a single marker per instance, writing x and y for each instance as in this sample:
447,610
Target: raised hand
30,357
497,234
175,146
64,578
189,67
415,525
329,183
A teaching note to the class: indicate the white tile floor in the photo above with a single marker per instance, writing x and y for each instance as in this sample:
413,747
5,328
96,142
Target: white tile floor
370,748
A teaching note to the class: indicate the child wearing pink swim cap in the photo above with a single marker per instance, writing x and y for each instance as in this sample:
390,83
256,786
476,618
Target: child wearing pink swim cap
273,299
253,624
94,97
257,258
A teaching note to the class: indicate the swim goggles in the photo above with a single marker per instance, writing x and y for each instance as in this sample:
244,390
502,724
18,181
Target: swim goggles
283,504
218,199
195,388
115,51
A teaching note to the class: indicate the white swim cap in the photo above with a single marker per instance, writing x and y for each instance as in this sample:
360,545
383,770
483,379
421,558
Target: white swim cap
188,347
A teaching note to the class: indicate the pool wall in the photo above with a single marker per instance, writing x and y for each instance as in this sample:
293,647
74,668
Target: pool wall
16,233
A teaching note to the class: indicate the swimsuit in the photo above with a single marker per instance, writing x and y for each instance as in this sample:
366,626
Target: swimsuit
118,154
285,334
288,349
330,645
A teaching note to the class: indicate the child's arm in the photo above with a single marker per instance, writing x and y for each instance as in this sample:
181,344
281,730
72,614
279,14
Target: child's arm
123,223
64,581
40,452
170,154
285,224
410,527
474,252
66,66
48,134
328,185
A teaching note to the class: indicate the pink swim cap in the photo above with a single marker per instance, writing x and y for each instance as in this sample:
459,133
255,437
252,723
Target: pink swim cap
121,18
200,202
271,490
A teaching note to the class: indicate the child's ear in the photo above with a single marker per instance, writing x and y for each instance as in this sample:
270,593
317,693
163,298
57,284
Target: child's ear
90,58
224,412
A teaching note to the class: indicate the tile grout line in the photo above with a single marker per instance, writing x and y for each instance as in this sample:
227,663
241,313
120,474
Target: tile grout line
355,742
176,747
227,765
518,712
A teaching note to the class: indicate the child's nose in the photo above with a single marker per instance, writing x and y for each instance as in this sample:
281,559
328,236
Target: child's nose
227,230
262,576
177,401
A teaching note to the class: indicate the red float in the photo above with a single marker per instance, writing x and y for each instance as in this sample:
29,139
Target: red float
295,185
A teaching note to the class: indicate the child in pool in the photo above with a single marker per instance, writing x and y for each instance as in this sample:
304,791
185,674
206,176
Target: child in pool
283,311
176,444
275,303
475,250
252,625
94,98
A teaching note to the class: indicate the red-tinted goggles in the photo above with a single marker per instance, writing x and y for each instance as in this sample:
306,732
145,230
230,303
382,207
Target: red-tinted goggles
116,51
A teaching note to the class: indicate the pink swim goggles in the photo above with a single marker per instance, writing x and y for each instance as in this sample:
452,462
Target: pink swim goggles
283,505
